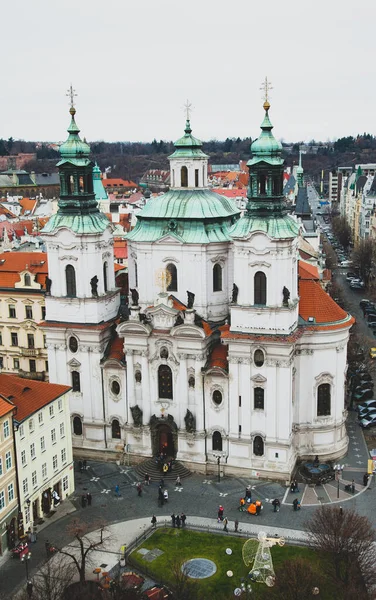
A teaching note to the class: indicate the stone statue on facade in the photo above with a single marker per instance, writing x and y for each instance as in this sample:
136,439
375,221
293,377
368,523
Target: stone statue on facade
191,299
94,285
235,292
190,422
48,285
286,296
136,415
135,296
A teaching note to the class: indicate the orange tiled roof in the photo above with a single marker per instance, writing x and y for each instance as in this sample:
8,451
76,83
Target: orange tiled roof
234,193
5,407
27,205
29,395
316,303
6,212
218,356
118,267
308,271
12,263
118,182
116,351
180,306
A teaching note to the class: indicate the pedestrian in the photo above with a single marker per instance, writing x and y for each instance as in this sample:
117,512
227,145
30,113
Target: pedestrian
178,482
296,488
341,511
29,589
88,499
296,504
80,465
84,465
154,521
241,504
83,500
258,507
178,521
161,483
183,518
220,513
117,491
365,479
165,495
353,486
147,479
139,489
236,525
225,523
248,494
47,545
173,520
276,504
160,496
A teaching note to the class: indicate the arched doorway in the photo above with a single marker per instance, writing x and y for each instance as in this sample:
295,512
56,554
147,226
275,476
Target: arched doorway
166,441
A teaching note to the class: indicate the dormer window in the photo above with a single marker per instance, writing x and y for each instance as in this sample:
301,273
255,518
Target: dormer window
27,280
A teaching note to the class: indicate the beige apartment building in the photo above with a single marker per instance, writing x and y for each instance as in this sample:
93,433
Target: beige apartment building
8,479
22,308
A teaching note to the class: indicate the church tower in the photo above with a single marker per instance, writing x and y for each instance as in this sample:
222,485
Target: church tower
82,300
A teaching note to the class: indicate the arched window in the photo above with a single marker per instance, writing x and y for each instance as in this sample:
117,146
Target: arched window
27,280
258,446
70,278
173,285
262,184
196,177
217,278
76,384
105,276
217,441
115,430
258,398
259,358
184,177
77,426
191,382
165,382
138,376
323,400
260,288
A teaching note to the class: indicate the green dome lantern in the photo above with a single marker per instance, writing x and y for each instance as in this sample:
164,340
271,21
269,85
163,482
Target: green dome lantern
74,147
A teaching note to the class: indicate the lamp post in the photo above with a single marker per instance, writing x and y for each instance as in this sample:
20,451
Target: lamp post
338,470
25,559
218,456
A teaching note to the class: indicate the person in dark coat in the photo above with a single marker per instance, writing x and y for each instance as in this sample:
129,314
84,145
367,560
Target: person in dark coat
29,589
173,520
236,525
80,465
84,465
154,521
83,500
88,498
178,521
47,545
183,518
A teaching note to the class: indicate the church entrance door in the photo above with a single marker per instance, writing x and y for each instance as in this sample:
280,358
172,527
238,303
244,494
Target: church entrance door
166,441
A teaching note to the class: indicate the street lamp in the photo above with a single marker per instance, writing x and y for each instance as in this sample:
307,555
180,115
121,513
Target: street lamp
25,559
218,456
338,470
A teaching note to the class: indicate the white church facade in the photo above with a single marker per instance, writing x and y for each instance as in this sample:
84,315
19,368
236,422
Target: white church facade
232,349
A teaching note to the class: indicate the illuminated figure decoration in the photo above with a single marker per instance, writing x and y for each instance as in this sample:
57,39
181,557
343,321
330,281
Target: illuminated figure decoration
262,570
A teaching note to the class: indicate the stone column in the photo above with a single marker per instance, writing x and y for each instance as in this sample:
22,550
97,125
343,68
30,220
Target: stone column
130,384
233,401
198,408
183,389
146,404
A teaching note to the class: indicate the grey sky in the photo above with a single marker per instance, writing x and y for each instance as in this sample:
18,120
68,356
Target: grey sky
134,64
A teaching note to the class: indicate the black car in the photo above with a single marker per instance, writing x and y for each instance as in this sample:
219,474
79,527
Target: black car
371,316
363,303
364,395
362,388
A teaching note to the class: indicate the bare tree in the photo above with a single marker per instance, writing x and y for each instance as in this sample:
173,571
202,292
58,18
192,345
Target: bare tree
330,255
347,539
342,230
86,544
295,579
182,586
363,259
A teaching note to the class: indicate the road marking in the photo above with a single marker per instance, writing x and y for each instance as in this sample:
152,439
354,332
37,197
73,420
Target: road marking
223,494
178,489
105,491
94,479
207,481
359,462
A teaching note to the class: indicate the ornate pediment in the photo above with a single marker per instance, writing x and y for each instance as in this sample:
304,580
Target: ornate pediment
163,316
258,378
74,363
188,331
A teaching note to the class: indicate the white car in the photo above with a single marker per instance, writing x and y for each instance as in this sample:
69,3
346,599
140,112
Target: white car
346,263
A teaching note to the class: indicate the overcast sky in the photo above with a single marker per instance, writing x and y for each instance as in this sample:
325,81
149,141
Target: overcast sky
135,63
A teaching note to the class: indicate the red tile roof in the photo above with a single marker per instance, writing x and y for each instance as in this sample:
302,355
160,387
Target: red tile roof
308,271
218,357
116,350
27,205
5,407
234,193
29,395
316,303
118,183
12,263
6,212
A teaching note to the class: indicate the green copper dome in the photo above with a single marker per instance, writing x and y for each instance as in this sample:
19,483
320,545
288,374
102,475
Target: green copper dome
74,147
188,146
266,148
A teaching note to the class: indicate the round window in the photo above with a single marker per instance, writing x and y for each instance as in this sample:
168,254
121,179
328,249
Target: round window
138,376
115,387
217,397
164,352
259,358
73,344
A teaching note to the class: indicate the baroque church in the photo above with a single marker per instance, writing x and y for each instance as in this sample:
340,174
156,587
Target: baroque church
232,351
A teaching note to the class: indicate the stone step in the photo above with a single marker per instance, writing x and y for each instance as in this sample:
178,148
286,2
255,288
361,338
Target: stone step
153,469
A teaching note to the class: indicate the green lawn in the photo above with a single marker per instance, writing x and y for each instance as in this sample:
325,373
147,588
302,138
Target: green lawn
181,545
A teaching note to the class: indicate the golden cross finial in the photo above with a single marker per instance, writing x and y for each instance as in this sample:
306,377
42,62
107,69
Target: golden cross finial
188,109
71,93
266,86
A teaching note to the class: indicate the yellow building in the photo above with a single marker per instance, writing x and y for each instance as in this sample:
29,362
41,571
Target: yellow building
22,308
8,479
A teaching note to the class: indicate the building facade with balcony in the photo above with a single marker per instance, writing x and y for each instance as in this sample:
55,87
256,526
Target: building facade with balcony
8,479
43,444
22,308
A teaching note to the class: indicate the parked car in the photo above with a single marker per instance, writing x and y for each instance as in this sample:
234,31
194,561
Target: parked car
372,324
364,395
357,285
346,263
364,302
350,276
368,422
365,386
370,316
366,404
367,413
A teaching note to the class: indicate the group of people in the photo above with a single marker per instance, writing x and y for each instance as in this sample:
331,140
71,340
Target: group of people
294,488
86,499
162,493
177,520
222,519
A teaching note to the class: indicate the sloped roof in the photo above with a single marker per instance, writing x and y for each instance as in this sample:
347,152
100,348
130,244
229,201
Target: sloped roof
29,395
27,205
118,182
316,303
115,350
308,271
218,357
13,263
5,407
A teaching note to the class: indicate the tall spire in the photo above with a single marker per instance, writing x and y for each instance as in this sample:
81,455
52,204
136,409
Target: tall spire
300,171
